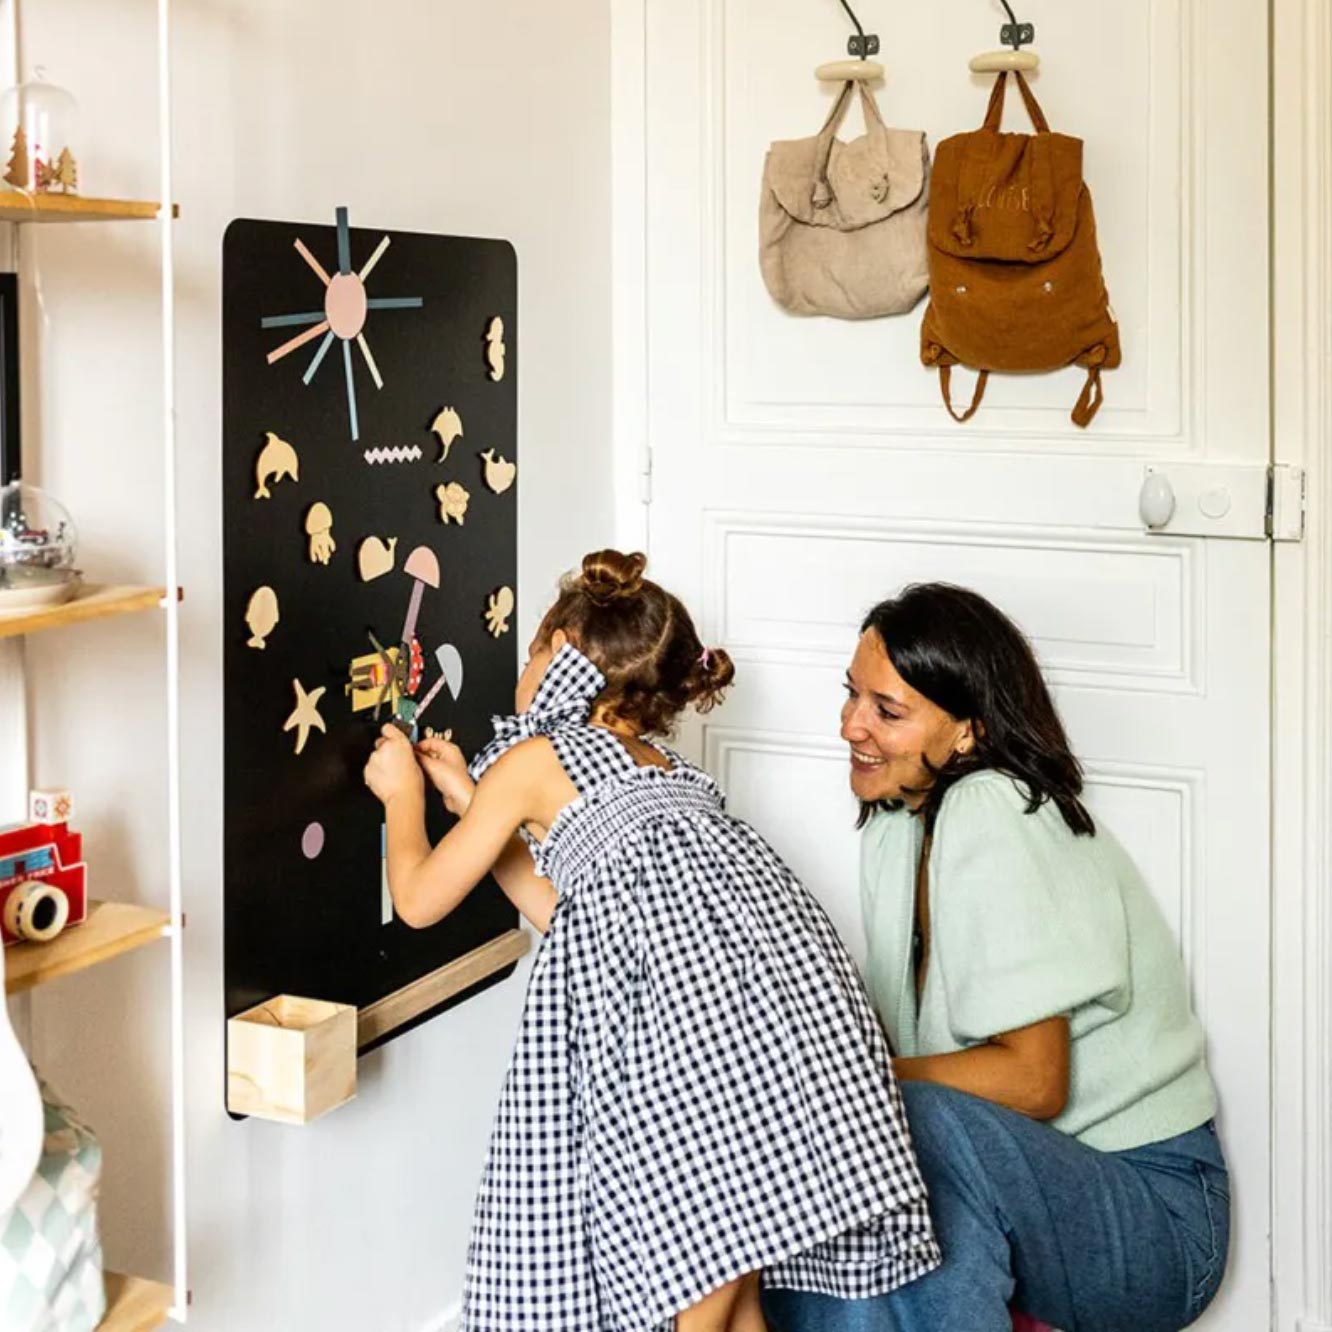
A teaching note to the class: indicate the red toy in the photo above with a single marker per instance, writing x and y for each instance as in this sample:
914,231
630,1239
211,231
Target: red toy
43,878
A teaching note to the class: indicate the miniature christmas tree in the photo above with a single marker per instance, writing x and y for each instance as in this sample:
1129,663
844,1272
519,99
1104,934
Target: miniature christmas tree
43,174
16,174
67,172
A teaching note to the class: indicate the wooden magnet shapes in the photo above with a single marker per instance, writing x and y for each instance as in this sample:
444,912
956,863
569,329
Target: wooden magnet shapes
347,305
261,616
392,675
450,664
499,471
375,558
277,459
372,679
495,348
319,528
448,426
312,840
498,609
422,568
305,715
452,503
403,453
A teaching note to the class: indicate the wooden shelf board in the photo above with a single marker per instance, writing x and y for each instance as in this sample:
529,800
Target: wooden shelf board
134,1304
112,928
19,207
94,602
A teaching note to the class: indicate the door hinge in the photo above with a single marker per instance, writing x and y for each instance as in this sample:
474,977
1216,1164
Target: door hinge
645,479
1285,502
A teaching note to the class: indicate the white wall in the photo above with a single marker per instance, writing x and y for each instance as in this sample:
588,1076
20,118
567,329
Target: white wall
412,113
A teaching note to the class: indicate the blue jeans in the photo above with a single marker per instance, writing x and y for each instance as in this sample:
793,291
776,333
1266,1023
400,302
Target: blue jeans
1084,1240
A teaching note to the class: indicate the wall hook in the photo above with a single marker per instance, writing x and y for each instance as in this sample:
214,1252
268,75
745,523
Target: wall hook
863,44
1015,34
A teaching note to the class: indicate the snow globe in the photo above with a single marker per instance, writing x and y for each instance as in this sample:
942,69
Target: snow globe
37,548
42,119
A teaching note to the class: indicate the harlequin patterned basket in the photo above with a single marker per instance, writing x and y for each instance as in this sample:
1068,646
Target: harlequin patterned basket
50,1252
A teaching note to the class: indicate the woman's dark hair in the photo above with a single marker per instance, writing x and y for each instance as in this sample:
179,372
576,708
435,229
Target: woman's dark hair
967,657
642,640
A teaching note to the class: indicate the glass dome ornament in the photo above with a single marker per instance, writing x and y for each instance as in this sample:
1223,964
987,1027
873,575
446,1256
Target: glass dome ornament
37,548
42,118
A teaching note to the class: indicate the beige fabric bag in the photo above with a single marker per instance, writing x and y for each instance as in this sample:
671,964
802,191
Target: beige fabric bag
842,225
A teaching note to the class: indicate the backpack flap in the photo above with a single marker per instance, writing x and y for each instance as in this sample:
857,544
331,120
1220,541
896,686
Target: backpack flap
1008,197
822,182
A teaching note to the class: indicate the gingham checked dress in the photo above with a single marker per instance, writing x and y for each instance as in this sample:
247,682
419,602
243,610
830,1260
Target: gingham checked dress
700,1088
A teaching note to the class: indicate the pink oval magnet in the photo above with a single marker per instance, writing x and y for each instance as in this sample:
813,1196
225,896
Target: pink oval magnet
312,840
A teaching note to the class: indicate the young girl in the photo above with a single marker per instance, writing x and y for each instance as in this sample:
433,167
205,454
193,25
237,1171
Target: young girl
700,1090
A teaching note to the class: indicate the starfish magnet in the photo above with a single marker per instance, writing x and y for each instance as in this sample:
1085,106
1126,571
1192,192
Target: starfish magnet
306,714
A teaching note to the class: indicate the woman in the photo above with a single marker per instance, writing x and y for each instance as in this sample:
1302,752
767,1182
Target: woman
1035,1000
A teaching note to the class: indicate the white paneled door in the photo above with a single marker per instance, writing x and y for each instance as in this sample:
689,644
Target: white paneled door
804,468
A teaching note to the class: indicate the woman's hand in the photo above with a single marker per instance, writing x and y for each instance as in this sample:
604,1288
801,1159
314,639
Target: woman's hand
392,769
446,768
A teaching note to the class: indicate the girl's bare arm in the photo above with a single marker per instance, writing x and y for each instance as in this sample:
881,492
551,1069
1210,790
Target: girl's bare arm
427,884
523,886
446,767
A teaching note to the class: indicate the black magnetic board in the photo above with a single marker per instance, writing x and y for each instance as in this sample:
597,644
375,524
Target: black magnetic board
313,926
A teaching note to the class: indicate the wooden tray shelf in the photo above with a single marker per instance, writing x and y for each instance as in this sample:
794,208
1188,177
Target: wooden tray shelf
134,1304
94,602
377,1020
112,928
18,207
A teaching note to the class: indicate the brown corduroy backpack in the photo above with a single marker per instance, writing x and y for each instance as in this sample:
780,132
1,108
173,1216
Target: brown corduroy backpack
1015,272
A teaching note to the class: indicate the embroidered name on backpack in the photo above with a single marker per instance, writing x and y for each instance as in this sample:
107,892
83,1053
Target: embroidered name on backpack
1012,198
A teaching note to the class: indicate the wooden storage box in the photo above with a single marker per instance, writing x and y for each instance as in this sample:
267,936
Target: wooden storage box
291,1059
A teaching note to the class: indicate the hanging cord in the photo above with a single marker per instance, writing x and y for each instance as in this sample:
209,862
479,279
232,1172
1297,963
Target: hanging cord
851,14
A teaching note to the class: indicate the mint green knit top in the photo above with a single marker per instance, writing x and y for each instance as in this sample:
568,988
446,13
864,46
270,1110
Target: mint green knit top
1029,922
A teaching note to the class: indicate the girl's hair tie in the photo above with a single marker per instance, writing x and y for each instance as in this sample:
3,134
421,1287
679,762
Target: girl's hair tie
705,659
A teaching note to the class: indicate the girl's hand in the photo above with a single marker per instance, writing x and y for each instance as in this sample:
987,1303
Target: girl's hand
391,769
444,764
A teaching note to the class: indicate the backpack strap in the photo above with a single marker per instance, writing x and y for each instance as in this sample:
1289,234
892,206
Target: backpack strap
1090,399
946,388
1084,410
874,128
995,111
1040,164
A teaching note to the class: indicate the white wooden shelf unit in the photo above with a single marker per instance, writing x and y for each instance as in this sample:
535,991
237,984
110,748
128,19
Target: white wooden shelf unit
134,1304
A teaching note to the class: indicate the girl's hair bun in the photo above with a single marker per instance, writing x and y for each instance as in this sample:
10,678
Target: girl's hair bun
641,638
610,575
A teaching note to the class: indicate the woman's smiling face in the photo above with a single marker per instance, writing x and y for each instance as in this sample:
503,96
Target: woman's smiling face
892,729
